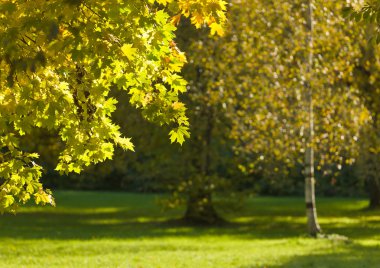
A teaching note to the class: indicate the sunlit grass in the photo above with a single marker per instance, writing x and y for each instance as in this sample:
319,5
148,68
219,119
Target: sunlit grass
97,229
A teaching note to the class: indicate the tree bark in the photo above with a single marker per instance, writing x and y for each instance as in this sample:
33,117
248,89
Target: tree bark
373,169
311,211
200,208
374,193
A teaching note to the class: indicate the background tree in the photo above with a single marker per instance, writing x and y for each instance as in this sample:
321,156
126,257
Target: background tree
209,150
264,73
366,78
254,82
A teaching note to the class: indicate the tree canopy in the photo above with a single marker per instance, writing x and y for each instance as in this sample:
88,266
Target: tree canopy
59,61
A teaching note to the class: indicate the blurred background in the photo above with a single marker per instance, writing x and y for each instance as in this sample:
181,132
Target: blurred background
247,105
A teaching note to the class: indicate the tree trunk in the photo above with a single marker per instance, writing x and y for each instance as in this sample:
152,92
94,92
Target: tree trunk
311,211
200,208
373,170
374,192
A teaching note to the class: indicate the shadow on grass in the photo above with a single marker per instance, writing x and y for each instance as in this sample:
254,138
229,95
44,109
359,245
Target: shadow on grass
353,256
121,224
126,216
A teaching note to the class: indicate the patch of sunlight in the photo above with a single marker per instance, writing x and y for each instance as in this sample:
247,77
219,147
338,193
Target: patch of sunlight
149,219
370,218
101,210
116,221
102,221
243,219
345,204
271,219
339,220
291,219
373,242
183,230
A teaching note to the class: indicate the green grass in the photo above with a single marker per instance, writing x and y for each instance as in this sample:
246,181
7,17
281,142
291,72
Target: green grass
89,229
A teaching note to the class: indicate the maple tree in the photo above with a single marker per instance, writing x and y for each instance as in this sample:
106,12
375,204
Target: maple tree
59,61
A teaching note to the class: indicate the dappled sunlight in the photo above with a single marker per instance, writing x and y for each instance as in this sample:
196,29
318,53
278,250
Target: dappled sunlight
371,218
64,210
374,241
270,220
336,221
220,251
134,225
271,113
351,256
118,221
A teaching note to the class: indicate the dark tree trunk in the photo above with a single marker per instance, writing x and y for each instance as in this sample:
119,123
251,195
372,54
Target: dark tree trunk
200,208
373,182
374,193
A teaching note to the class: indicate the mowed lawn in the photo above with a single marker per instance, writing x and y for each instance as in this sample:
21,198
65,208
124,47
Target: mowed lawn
100,229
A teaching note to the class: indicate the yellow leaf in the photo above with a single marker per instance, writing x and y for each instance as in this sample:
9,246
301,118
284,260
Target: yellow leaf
175,19
164,2
216,28
197,19
178,105
129,51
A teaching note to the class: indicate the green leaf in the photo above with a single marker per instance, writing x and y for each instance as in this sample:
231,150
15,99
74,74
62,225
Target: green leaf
179,134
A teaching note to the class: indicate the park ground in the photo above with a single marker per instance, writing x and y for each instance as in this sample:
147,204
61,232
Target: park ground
100,229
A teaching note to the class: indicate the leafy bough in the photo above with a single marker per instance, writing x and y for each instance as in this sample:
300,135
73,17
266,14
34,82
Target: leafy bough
59,62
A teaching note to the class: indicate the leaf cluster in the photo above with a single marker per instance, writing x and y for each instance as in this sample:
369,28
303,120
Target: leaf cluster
59,63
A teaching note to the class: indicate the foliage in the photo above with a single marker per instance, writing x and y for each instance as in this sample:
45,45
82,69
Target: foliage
367,79
367,12
271,116
59,61
250,83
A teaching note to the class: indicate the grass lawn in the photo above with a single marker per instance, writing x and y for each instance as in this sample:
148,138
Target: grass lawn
98,229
